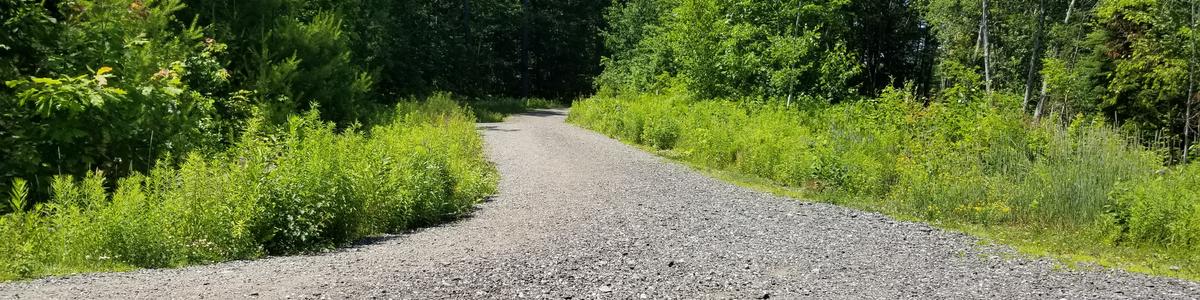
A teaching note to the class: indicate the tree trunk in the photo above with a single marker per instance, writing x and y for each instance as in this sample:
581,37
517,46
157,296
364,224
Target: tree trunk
526,65
1070,7
987,53
795,32
469,58
1191,96
1037,114
1035,57
466,8
979,38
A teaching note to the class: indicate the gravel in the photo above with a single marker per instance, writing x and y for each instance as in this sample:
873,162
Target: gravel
581,216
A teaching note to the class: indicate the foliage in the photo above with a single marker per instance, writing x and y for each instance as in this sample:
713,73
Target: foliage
951,163
305,188
792,51
1128,61
471,47
720,49
118,85
311,62
109,86
1161,210
1145,47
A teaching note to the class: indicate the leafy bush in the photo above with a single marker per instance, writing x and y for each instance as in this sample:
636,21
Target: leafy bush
303,62
111,86
307,187
954,162
1161,210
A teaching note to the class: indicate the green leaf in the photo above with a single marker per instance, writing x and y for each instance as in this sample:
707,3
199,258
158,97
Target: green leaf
46,81
95,100
18,195
173,91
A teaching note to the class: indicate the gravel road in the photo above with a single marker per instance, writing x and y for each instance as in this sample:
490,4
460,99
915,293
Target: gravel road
581,216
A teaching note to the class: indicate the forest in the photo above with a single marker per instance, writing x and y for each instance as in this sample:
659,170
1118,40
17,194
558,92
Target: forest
163,133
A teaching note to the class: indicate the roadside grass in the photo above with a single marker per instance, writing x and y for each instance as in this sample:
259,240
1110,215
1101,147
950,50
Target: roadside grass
495,110
1078,192
1073,248
304,187
1077,248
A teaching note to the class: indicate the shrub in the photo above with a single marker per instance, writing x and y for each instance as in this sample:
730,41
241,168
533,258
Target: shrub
305,188
110,85
1161,210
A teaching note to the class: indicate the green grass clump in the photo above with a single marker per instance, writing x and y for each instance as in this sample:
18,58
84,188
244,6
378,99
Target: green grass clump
963,165
303,188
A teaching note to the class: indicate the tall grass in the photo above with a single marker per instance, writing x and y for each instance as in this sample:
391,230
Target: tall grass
946,162
300,188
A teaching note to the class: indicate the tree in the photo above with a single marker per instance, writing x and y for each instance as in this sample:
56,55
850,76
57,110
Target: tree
1036,58
1191,95
1145,55
987,49
893,43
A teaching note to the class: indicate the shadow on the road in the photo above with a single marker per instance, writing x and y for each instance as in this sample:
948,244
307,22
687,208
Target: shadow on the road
495,128
545,113
488,199
371,240
389,237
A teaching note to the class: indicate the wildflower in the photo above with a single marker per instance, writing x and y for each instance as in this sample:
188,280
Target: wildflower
102,76
139,8
163,73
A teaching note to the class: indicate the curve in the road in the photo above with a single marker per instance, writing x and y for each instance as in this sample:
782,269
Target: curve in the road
580,215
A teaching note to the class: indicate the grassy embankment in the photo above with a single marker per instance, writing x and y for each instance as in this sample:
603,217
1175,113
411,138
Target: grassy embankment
300,188
1080,191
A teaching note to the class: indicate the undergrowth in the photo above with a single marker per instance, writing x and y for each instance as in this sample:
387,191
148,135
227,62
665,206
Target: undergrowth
304,187
1079,189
